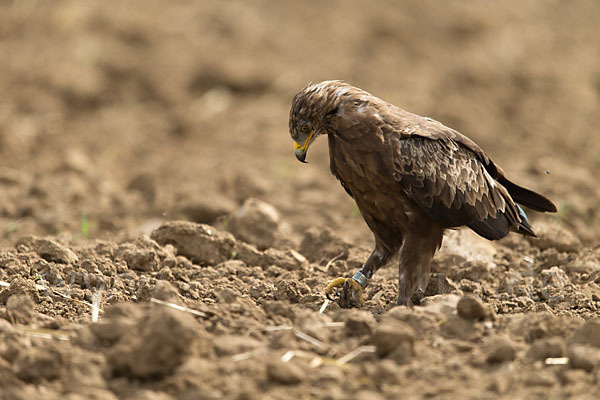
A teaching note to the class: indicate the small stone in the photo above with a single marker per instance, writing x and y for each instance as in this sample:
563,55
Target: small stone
499,350
285,373
470,307
394,339
255,222
48,249
203,244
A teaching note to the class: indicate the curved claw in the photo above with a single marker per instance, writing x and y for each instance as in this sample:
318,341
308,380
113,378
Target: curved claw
333,285
351,294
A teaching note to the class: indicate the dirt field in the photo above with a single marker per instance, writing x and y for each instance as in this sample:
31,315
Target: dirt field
144,154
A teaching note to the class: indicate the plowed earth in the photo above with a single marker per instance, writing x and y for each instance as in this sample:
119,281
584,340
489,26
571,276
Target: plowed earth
160,241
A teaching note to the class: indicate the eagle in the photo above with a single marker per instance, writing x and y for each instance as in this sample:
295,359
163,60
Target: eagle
411,177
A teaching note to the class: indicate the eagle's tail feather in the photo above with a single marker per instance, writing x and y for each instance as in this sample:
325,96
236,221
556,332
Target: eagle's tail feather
528,197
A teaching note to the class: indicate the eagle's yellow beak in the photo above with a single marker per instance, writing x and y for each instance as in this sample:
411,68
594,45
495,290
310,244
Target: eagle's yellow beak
301,149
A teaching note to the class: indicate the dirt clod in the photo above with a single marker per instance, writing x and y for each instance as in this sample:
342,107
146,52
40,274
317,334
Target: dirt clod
394,339
202,244
460,328
587,334
141,259
583,357
20,286
48,249
499,350
19,309
255,222
359,323
39,363
470,307
165,291
285,373
290,260
155,345
121,122
553,347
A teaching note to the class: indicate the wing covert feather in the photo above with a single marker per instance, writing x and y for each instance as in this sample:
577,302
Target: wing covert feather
449,182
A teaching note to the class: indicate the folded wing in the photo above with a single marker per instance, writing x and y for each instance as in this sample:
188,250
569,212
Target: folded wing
451,184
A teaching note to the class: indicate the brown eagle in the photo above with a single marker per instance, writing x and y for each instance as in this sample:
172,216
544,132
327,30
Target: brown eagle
411,177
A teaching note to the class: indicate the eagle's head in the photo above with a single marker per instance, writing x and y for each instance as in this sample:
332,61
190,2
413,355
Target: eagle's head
313,109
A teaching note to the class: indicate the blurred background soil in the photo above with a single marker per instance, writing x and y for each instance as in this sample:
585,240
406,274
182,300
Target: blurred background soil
118,116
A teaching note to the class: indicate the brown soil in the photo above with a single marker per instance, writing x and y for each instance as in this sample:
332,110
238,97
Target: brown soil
118,120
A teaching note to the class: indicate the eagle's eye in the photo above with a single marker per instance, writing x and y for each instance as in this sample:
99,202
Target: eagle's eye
305,128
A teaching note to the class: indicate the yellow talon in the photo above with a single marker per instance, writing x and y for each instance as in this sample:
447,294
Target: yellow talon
352,291
336,283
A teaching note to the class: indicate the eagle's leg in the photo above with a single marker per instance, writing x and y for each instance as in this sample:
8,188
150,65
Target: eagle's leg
352,288
415,259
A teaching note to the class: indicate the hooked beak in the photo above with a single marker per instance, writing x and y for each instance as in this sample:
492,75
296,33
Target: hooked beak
300,154
301,149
